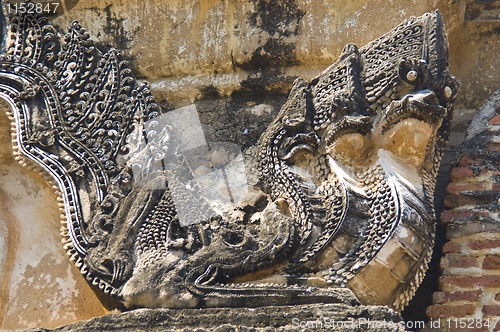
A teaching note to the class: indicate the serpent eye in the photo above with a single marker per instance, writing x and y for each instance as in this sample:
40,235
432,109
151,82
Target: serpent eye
411,72
451,87
411,75
448,92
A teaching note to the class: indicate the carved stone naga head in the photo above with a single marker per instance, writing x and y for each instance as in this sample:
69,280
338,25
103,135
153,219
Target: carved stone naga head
347,171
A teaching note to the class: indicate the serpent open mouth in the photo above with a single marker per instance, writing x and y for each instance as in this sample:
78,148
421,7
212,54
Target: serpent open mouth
406,125
422,106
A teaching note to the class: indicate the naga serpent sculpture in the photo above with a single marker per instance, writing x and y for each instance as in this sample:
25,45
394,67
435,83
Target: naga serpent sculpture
347,174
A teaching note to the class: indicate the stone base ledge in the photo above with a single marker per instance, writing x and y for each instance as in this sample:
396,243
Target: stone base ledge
334,317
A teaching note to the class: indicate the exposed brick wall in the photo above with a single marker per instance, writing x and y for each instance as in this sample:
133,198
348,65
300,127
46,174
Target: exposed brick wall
470,279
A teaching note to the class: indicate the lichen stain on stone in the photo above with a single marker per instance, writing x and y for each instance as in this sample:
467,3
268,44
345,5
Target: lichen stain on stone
46,296
281,20
198,37
203,11
342,12
114,27
280,17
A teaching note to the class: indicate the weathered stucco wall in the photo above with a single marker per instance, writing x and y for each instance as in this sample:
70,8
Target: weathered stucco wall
184,48
38,284
233,59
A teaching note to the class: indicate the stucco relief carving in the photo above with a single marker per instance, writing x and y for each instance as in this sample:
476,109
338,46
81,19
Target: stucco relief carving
346,174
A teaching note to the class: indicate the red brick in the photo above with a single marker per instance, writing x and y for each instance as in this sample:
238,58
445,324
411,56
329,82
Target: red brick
453,215
469,281
450,215
466,228
491,310
445,297
452,247
495,120
457,261
483,244
458,188
491,262
493,147
465,262
444,311
467,160
460,173
454,201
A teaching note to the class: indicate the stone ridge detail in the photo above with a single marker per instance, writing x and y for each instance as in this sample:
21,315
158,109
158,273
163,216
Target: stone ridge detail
346,175
470,281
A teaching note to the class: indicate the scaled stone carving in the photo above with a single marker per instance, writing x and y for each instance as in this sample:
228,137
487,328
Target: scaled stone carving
347,173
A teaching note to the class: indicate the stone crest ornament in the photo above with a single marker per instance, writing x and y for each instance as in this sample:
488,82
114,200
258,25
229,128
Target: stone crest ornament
347,169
